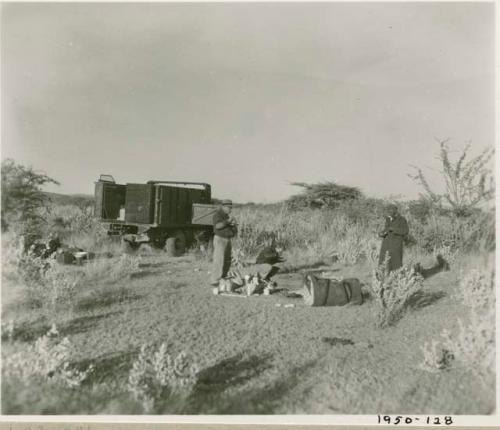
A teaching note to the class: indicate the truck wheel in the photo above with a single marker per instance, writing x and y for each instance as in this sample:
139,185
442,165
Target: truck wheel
158,242
176,245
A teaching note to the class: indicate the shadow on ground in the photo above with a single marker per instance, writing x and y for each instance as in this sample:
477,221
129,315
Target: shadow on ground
295,269
153,265
220,389
32,331
212,383
421,299
143,274
106,298
109,367
83,324
27,332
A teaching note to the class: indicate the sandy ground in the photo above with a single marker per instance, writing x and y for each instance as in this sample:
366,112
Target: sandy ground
258,358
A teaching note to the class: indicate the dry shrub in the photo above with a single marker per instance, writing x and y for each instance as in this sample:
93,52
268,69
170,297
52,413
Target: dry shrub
156,377
109,270
8,328
48,360
44,282
77,227
473,342
371,250
436,357
473,233
58,288
351,248
391,291
19,266
477,289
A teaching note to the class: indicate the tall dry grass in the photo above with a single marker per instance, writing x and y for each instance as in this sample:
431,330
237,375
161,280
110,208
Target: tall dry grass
77,227
309,235
351,236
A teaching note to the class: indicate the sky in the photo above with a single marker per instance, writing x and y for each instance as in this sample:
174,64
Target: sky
248,97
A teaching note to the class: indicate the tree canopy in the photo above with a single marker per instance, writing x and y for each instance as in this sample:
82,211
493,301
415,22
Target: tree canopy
322,195
22,196
468,181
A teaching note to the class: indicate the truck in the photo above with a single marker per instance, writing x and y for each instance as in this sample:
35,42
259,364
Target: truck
165,214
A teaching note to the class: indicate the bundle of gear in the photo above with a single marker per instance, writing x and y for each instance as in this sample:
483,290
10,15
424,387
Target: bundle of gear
248,285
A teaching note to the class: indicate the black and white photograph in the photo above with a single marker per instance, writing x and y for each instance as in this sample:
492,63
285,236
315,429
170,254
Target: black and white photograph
248,209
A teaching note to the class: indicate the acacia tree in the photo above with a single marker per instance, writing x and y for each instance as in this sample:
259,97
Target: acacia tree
468,181
322,195
22,197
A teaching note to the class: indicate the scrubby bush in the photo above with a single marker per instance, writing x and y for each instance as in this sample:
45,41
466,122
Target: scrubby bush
52,287
45,283
19,266
77,227
23,199
351,247
468,183
472,343
8,328
48,360
157,378
109,270
364,211
466,234
392,290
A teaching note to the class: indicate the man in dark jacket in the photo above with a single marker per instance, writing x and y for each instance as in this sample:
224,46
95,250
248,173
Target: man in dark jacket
224,230
395,230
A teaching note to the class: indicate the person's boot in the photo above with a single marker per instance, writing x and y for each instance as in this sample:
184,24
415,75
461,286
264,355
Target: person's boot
443,263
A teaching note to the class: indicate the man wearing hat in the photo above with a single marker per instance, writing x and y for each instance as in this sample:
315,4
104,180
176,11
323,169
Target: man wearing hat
395,230
224,230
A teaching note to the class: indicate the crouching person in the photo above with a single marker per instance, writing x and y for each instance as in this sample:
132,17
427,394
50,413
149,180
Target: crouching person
224,229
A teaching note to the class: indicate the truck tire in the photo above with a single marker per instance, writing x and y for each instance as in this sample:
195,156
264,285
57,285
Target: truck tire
176,244
158,243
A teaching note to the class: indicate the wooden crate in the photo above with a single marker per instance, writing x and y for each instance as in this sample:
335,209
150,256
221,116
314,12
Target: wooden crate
203,214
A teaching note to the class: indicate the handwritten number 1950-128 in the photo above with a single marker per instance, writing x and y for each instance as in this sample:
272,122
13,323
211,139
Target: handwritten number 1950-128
447,420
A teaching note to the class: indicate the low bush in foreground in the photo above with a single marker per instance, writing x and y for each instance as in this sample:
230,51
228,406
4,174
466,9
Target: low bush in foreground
392,290
52,287
48,360
472,343
157,379
44,373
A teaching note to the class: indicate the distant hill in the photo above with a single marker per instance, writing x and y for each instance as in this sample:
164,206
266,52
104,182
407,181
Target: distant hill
70,199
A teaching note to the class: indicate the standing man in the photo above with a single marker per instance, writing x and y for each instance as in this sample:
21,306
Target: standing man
395,230
224,230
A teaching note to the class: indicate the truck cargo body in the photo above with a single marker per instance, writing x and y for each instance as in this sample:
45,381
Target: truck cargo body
157,208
